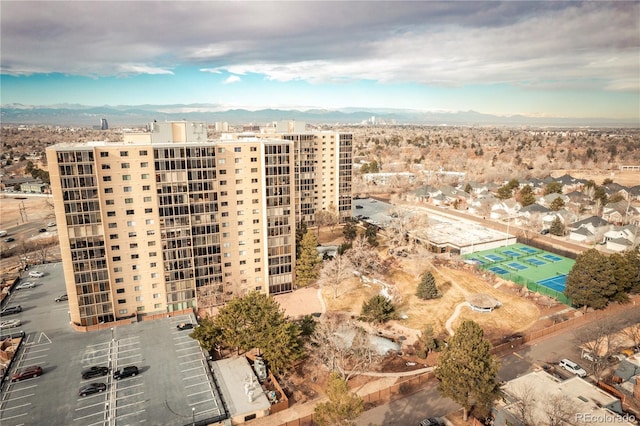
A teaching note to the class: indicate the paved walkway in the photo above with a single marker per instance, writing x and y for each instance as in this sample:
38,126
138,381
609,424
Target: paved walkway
452,318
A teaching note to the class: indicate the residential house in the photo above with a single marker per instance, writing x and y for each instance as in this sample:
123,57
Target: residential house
540,397
591,229
619,212
621,238
547,200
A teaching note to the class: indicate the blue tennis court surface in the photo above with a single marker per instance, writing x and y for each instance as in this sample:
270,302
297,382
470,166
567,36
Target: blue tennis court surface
517,266
494,258
557,283
498,270
535,261
511,253
527,250
552,257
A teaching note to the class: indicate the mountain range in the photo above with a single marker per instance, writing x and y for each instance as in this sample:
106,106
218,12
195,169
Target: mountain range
139,115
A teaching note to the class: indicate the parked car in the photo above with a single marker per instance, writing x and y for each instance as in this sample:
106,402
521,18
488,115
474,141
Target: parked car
27,284
27,373
589,356
11,310
544,232
61,298
10,324
185,326
36,274
432,421
51,224
92,388
572,367
9,240
42,230
95,371
124,372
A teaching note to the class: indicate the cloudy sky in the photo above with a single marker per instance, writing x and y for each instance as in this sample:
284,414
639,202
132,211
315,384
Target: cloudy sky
537,58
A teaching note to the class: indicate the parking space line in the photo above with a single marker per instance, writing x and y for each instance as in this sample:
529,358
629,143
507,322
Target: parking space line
211,410
35,351
206,401
14,417
98,344
196,384
198,393
191,377
36,357
14,408
189,369
120,407
19,397
129,387
183,349
186,355
21,388
90,415
89,406
131,414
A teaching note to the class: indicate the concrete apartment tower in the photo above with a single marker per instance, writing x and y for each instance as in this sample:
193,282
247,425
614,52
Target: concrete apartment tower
167,220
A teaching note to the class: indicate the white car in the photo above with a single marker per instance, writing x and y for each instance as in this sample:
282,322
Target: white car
36,274
51,224
25,285
10,324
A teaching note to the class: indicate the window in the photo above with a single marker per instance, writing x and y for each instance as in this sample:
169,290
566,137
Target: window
151,232
254,159
222,161
238,160
106,178
148,221
130,212
108,190
238,171
147,199
133,245
111,214
139,299
223,193
153,265
133,234
136,288
117,269
126,177
128,200
146,187
120,290
156,295
140,308
135,256
106,167
122,301
258,270
154,275
237,149
113,236
243,262
151,243
254,180
115,247
223,182
137,277
116,258
104,154
124,153
145,176
127,189
122,311
110,202
144,164
253,149
131,222
238,181
143,152
119,280
222,172
220,150
225,214
152,254
125,165
239,192
254,170
157,305
227,265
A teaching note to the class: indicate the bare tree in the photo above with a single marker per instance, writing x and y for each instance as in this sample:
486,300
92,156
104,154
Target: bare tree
524,406
336,272
325,218
559,410
595,338
363,256
633,333
342,346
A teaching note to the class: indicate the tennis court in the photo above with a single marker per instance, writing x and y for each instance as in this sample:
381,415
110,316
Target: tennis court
517,266
557,283
528,250
494,258
552,257
539,270
498,270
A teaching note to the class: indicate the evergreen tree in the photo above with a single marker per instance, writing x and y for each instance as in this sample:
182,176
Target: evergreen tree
557,227
557,204
343,406
256,321
527,197
308,263
553,188
633,263
349,230
427,287
468,188
427,340
592,282
504,192
371,232
378,309
301,230
468,371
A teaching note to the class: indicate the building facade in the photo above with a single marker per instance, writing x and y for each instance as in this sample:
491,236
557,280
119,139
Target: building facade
167,220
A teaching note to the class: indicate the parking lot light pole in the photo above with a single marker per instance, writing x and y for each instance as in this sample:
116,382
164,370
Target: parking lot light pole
193,416
112,334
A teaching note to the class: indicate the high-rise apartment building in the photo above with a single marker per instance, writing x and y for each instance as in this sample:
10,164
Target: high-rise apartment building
167,220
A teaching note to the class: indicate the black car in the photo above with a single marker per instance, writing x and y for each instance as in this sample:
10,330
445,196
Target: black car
94,371
129,371
9,240
61,298
42,230
11,310
92,388
185,326
432,421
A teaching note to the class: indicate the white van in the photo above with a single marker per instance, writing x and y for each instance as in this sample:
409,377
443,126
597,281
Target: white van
3,233
572,367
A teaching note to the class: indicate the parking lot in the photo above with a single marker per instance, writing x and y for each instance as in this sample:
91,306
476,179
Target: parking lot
173,387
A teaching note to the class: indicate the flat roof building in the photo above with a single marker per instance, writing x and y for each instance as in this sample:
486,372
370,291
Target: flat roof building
167,220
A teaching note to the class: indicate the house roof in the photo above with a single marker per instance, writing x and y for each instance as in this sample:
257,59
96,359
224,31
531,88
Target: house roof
594,221
535,208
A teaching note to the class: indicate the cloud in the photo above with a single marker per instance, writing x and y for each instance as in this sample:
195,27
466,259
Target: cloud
527,44
232,79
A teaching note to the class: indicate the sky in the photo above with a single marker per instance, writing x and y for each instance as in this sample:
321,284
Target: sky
539,58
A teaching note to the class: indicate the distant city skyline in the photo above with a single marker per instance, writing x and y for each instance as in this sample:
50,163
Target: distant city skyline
541,59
